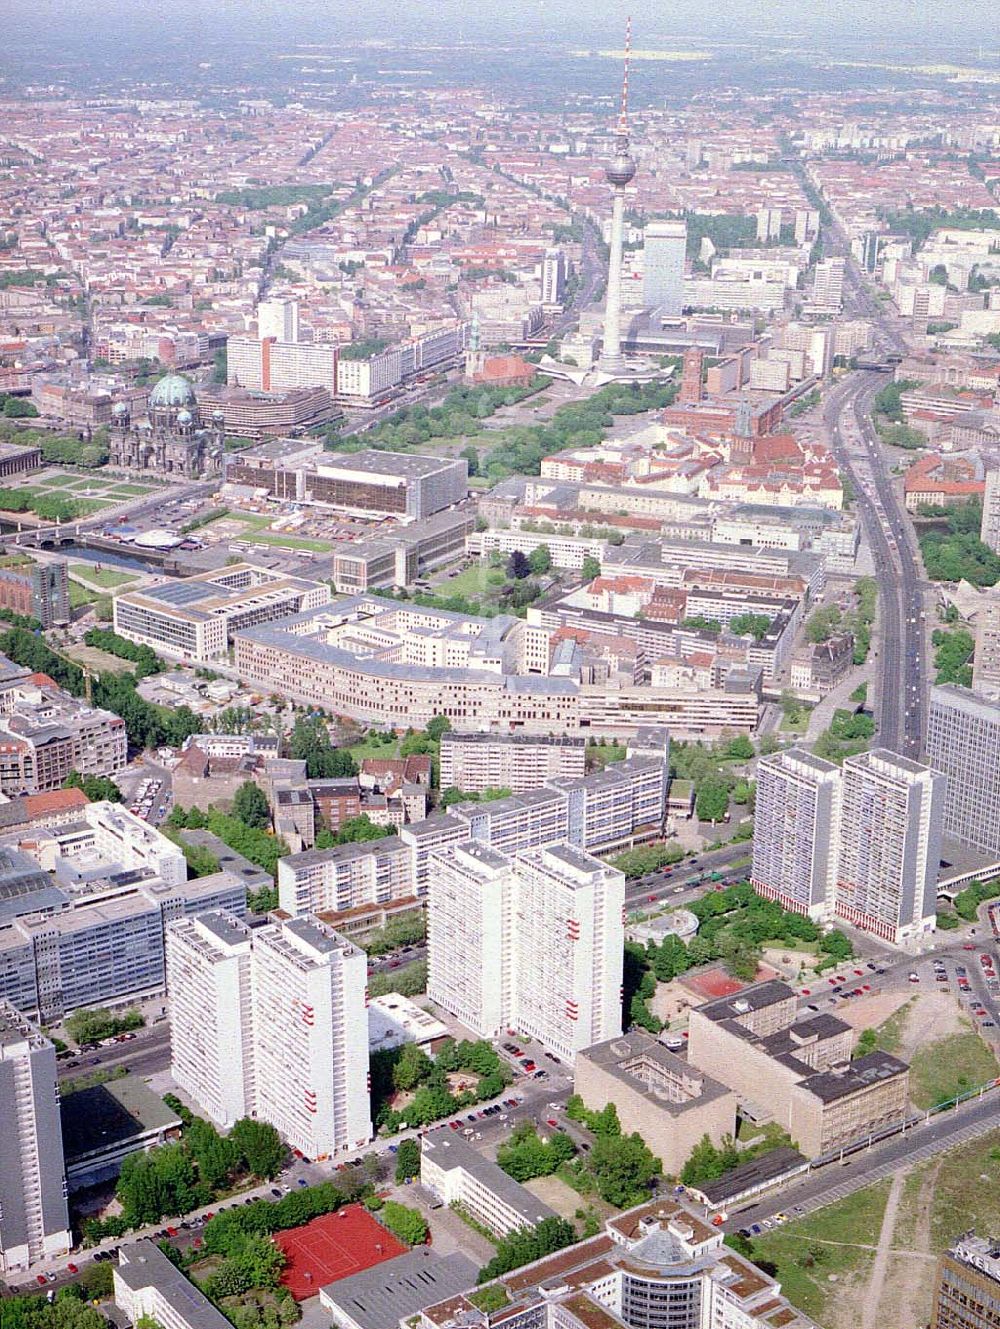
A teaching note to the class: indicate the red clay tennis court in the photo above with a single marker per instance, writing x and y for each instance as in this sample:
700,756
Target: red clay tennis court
332,1247
716,982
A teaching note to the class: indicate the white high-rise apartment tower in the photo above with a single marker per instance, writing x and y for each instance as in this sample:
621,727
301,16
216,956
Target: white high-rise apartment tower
34,1218
664,246
278,319
568,947
990,530
310,1033
986,661
532,940
828,289
890,844
211,1013
553,278
796,832
469,928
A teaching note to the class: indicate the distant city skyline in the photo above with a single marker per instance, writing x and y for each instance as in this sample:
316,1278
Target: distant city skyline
744,21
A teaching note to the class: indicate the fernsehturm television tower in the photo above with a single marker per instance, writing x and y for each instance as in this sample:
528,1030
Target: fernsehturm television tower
619,173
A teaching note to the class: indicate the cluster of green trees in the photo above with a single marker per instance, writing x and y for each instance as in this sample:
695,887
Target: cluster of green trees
708,1162
824,622
754,625
310,742
60,449
734,925
648,858
98,788
708,767
93,1023
251,807
699,623
887,415
408,1069
406,930
527,1244
17,408
260,901
144,658
409,980
259,846
958,554
407,1161
147,726
173,1179
256,198
50,507
68,1311
968,901
364,349
525,1154
849,733
519,450
255,1263
888,404
353,830
460,414
451,795
621,1168
726,230
953,656
19,620
920,222
404,1222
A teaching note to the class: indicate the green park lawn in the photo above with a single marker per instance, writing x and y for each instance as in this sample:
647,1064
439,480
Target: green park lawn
478,580
288,541
106,578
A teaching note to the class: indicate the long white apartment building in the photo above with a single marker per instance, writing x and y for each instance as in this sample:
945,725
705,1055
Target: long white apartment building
890,845
533,940
346,877
310,1036
796,832
34,1217
518,762
597,813
211,1013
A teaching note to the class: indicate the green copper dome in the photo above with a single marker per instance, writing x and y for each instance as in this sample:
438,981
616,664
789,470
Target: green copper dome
172,390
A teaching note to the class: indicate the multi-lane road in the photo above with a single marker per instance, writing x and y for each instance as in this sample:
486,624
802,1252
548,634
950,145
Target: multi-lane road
901,689
900,694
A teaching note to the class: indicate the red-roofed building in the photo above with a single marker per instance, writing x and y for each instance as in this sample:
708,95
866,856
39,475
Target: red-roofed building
942,481
505,371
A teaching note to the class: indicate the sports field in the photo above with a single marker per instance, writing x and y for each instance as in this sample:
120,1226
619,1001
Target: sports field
333,1247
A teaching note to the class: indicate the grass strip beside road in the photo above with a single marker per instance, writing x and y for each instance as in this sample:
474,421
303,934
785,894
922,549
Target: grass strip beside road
836,1242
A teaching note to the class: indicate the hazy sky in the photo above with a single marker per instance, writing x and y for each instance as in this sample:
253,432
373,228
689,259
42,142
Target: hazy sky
290,20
